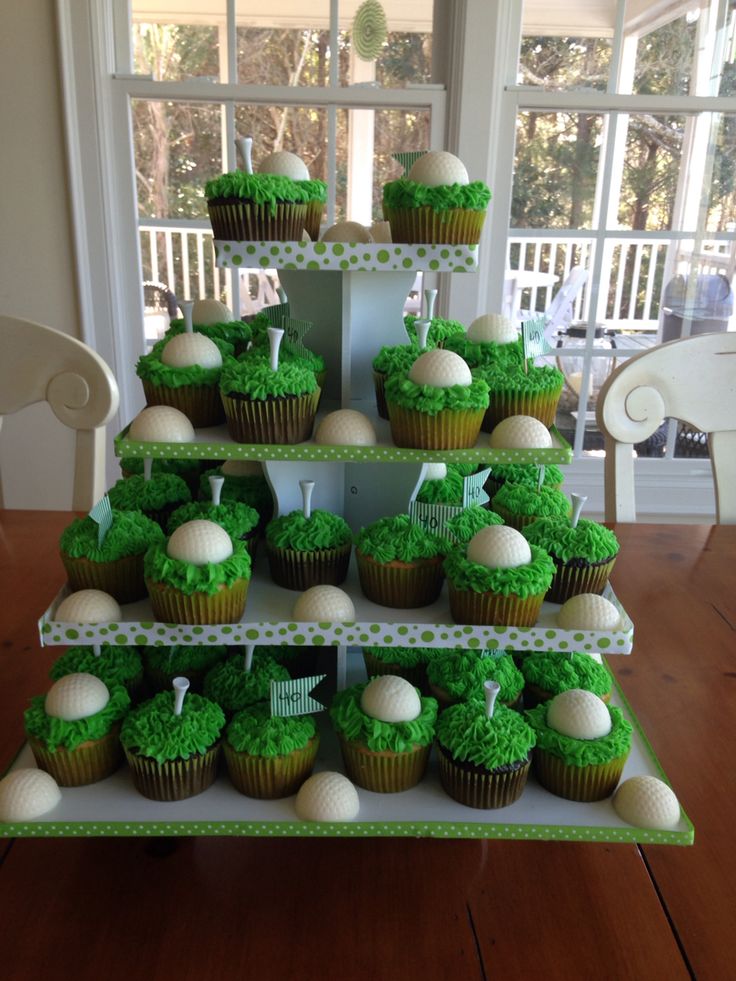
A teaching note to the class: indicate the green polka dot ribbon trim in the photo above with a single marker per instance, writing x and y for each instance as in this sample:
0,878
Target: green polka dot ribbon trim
357,257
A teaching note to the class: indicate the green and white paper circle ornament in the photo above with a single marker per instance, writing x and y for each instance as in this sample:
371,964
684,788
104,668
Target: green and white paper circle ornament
370,30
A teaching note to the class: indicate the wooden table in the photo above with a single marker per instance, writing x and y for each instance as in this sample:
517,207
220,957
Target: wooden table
392,908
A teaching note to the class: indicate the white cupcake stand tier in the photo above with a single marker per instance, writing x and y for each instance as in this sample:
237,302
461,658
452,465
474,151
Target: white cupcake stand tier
354,296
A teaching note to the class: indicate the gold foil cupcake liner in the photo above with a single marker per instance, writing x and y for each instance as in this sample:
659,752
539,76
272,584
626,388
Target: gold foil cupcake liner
301,570
580,783
280,420
384,773
269,778
173,779
379,384
251,222
400,585
313,219
570,580
122,578
447,430
540,405
485,789
91,761
494,609
415,675
170,605
424,226
201,404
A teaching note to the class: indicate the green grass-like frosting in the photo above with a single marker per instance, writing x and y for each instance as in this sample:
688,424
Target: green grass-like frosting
353,724
399,538
250,489
55,733
316,190
581,752
131,533
151,368
321,529
152,729
401,390
479,353
188,578
114,665
448,490
527,474
179,658
470,736
406,657
461,674
556,671
236,518
136,493
131,465
253,378
232,331
439,329
528,501
256,732
524,580
396,358
268,189
315,362
589,540
403,193
234,688
470,521
538,380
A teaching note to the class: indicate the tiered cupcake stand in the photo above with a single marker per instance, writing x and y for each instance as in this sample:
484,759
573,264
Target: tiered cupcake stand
354,296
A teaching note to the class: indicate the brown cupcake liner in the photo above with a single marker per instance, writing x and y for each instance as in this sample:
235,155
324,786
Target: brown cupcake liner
493,609
400,585
174,779
447,430
269,778
91,761
251,222
301,570
169,605
424,226
541,405
580,783
379,384
385,772
313,219
201,404
475,786
122,579
416,675
534,695
281,420
570,580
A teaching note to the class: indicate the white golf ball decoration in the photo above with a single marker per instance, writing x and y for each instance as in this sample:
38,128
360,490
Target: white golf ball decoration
327,796
161,424
345,427
242,468
199,542
647,802
347,231
438,168
588,611
285,164
323,604
391,699
436,471
440,369
26,794
208,311
186,350
579,714
76,696
88,606
492,327
520,433
499,547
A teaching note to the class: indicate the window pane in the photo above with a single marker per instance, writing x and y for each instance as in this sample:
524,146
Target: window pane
565,62
180,46
651,171
664,59
284,47
299,129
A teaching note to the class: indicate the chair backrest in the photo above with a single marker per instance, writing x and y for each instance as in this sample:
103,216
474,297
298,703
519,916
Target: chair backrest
40,364
559,311
693,380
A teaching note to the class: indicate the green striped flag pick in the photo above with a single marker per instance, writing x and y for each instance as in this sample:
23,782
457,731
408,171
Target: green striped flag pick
294,331
535,343
473,492
102,514
293,697
433,517
276,314
408,159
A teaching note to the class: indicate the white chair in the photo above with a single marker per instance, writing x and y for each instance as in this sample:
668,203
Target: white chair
40,364
693,380
560,310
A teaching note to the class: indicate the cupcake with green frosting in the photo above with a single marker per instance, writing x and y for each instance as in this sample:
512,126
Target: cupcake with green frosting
163,664
392,360
522,473
440,330
400,564
439,489
447,213
487,354
268,756
519,505
484,759
234,686
547,673
245,482
584,556
586,766
156,497
469,522
113,665
458,675
115,566
236,333
188,470
173,756
308,550
81,746
263,405
516,392
240,521
404,662
308,359
385,728
257,207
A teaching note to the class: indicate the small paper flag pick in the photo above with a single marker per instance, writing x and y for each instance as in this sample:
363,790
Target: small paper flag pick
535,342
295,331
293,697
497,653
473,492
102,514
408,159
433,517
276,314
